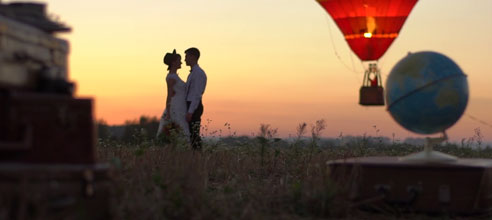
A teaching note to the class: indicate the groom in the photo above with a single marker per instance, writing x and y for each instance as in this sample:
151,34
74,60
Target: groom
195,87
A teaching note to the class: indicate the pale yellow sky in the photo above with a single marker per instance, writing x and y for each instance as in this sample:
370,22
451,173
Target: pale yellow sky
267,61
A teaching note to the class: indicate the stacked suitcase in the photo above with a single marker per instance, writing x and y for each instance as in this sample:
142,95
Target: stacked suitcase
48,166
388,184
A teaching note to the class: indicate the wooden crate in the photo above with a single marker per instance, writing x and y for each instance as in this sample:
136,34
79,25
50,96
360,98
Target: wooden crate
386,183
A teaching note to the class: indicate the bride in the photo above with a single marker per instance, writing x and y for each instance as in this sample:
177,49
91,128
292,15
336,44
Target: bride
175,111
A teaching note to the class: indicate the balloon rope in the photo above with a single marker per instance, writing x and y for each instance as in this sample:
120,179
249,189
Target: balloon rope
381,65
478,120
335,49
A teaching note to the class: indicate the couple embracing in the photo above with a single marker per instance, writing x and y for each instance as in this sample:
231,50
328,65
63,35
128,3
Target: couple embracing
184,106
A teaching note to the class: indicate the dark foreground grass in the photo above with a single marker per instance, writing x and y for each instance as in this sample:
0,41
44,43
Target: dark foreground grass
254,178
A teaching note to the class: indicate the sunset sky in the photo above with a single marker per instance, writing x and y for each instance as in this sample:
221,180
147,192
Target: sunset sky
274,62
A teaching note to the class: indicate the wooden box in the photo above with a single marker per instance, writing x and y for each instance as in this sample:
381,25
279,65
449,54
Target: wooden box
379,183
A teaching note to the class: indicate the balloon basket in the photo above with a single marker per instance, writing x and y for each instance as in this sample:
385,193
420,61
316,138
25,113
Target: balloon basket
372,92
371,96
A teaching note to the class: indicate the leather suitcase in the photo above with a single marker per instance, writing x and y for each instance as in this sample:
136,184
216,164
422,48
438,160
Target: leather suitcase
386,183
54,191
46,128
25,50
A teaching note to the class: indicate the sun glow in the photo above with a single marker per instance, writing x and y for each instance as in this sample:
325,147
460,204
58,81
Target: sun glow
116,57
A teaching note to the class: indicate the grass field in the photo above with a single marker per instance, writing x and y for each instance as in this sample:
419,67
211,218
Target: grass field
259,177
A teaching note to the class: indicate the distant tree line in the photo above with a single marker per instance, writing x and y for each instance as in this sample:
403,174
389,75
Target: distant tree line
132,131
144,129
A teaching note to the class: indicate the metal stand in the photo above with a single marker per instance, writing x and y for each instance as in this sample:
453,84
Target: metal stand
429,155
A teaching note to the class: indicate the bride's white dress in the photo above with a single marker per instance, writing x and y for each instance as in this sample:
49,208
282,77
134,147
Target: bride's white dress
178,108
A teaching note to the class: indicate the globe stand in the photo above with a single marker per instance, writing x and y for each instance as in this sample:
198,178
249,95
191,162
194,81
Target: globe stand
427,181
431,156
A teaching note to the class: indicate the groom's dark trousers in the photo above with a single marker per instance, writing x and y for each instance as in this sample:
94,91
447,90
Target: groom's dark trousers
194,125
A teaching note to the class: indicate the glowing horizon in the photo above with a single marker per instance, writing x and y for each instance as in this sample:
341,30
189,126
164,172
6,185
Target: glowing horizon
281,64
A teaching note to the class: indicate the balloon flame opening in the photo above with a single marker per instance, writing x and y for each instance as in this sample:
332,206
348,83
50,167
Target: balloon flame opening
367,35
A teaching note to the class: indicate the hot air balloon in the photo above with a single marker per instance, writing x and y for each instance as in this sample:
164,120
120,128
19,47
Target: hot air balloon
369,27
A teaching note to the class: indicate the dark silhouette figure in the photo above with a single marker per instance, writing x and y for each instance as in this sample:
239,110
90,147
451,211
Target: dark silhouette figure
195,87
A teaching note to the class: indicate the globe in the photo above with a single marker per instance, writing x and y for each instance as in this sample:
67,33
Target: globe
426,92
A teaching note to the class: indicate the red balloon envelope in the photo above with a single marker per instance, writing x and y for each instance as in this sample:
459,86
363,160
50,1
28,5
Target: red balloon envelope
369,26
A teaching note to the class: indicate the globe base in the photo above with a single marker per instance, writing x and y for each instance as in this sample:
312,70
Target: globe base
431,156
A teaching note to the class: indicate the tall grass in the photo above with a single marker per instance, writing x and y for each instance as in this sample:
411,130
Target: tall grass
261,177
239,184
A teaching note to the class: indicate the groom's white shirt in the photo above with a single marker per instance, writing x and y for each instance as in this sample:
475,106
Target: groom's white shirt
195,87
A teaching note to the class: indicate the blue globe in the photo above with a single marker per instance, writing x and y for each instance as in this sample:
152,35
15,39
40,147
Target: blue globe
426,92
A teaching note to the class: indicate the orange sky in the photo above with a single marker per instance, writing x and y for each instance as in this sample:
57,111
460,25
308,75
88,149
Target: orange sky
267,61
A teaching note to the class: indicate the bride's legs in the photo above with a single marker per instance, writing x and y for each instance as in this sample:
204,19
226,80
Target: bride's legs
184,129
161,126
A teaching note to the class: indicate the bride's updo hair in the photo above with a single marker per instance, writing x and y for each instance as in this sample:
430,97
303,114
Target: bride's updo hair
169,58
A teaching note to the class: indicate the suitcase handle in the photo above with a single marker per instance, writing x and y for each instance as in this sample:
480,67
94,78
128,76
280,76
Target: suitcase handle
24,144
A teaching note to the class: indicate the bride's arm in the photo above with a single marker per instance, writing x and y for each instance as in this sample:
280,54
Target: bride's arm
170,94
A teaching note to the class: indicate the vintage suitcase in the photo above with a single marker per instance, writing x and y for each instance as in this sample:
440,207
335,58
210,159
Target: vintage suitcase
54,191
48,166
28,49
386,183
46,128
